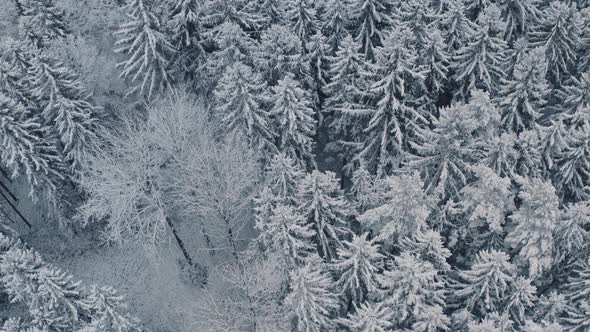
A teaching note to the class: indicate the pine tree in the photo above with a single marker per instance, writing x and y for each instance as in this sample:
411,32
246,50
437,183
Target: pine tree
294,120
41,21
282,175
184,24
457,28
239,101
584,49
108,311
476,7
412,287
431,320
66,106
484,287
280,52
531,326
419,17
578,318
369,317
479,63
318,57
325,209
523,97
357,266
335,21
302,17
529,159
551,308
287,234
311,298
519,16
393,118
554,137
147,48
24,150
558,32
404,212
534,224
577,295
371,19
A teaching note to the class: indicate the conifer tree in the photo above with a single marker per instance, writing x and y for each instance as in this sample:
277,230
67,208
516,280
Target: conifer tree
412,287
322,203
272,12
558,32
282,175
310,298
184,24
293,118
66,106
405,210
56,302
287,234
523,97
393,118
435,61
428,246
484,287
575,100
486,202
358,265
24,150
519,16
479,63
363,189
347,84
335,21
232,45
371,18
239,12
521,300
534,224
572,166
239,101
369,317
318,57
302,17
279,53
570,233
41,21
147,49
457,28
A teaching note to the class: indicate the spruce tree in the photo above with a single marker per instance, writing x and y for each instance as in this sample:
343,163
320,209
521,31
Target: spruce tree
24,150
479,63
311,298
572,169
534,224
239,101
483,288
302,19
66,107
369,317
293,119
575,100
41,21
519,16
523,97
282,174
404,212
147,49
412,287
393,119
358,265
335,20
558,32
184,24
370,18
457,28
325,209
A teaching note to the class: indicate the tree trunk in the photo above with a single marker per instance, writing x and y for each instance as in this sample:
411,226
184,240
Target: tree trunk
179,242
15,209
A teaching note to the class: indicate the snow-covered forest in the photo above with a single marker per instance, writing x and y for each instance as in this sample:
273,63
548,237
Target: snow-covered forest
294,165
